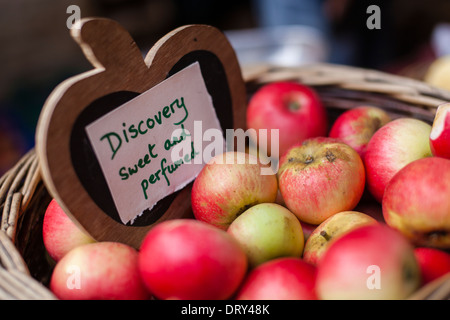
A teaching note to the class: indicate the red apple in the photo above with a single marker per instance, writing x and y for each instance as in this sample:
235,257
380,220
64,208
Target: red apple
417,202
440,132
356,126
191,260
434,263
60,234
292,108
370,262
321,177
267,231
393,146
308,229
228,185
331,229
285,278
99,271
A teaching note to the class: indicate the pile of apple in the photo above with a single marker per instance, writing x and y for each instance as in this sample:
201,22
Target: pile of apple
302,232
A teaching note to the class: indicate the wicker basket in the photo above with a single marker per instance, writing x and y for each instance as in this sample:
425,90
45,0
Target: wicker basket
25,267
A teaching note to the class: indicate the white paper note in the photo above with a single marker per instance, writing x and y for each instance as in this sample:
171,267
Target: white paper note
152,146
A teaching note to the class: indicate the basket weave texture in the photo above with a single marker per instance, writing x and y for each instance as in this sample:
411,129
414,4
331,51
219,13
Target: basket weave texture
25,267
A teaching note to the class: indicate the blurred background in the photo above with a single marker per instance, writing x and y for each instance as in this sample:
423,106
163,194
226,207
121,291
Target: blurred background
37,52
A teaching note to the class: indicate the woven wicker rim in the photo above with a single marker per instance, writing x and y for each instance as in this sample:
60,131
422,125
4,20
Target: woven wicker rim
409,91
340,88
17,186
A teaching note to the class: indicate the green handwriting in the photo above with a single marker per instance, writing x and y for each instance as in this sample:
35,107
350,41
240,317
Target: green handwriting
166,170
126,172
135,130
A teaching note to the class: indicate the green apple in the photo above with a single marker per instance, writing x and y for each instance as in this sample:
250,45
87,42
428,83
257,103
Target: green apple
267,231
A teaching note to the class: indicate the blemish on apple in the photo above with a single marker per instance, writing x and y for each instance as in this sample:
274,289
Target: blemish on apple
330,156
245,208
309,159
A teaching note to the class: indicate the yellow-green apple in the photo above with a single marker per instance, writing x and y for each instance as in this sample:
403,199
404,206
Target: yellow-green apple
290,107
187,259
393,146
368,263
229,184
99,271
286,278
267,231
433,263
356,126
417,202
438,72
331,229
321,177
440,132
60,234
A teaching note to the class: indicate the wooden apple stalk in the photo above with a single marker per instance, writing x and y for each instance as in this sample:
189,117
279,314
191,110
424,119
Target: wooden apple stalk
70,166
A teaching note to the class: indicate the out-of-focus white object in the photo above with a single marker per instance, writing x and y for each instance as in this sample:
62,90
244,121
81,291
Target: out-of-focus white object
281,46
440,39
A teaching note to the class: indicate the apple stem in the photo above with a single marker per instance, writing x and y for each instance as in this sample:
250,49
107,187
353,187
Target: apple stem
324,234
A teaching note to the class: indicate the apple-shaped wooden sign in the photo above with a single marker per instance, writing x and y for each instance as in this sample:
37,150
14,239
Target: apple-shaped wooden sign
119,145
